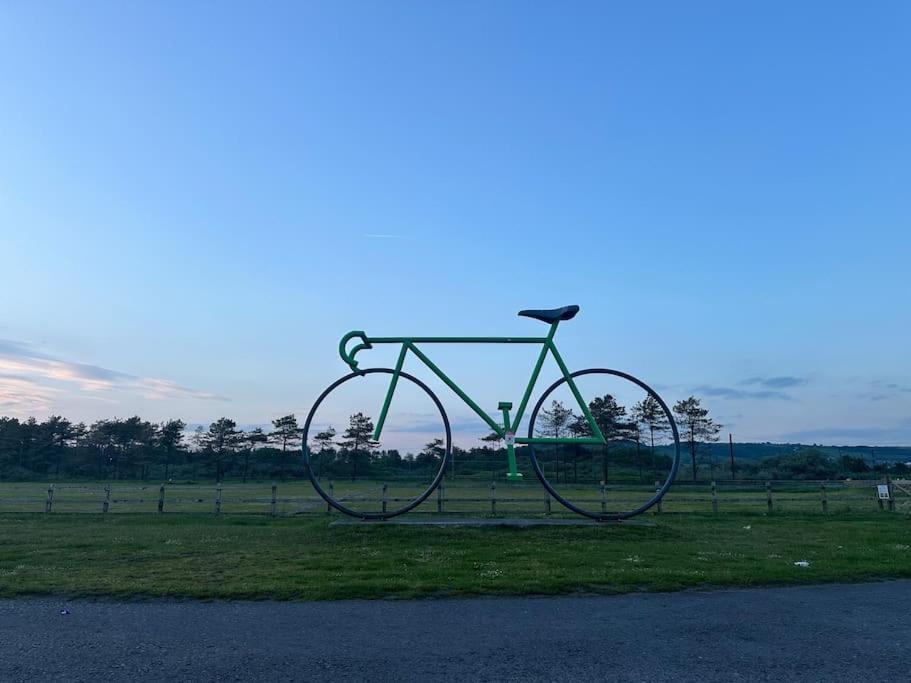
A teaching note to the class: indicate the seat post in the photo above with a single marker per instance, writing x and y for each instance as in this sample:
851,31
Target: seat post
553,330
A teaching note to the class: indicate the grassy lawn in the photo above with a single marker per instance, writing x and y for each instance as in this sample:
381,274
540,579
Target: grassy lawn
204,556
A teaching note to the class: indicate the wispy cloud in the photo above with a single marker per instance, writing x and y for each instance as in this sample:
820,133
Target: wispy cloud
436,426
896,434
783,382
21,395
383,236
760,388
30,380
741,394
883,391
892,386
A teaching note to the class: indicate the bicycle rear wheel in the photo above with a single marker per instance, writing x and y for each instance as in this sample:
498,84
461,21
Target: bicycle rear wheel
376,479
629,474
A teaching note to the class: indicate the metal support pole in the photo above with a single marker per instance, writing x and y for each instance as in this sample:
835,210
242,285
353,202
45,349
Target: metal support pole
274,501
512,473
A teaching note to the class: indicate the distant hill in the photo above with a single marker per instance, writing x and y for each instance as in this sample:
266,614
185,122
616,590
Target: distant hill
758,451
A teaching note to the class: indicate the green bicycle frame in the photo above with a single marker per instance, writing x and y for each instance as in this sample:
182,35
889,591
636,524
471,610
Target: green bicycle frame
506,430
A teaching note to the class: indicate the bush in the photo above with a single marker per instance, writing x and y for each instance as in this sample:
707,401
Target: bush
806,464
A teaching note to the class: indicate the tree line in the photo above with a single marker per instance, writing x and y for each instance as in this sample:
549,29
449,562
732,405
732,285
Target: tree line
637,448
133,448
628,433
645,422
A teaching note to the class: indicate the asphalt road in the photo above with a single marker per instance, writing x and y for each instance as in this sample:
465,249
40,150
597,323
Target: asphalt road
833,632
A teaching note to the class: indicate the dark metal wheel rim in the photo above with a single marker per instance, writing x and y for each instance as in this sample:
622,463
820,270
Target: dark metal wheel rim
539,472
375,515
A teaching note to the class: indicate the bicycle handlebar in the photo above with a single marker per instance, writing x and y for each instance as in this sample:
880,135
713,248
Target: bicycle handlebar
349,357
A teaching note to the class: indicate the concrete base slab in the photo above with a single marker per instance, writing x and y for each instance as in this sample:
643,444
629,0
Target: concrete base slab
485,521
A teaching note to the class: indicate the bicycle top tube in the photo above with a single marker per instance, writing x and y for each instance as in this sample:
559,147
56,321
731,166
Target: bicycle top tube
551,316
368,342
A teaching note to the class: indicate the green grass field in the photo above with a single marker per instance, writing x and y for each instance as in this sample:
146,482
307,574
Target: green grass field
252,556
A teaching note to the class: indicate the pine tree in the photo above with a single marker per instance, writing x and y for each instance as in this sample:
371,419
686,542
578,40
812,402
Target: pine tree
650,415
698,427
556,423
357,441
286,431
610,417
432,453
323,440
169,438
220,441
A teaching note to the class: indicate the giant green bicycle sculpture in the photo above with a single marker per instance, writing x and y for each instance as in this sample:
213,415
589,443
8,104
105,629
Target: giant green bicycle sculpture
505,428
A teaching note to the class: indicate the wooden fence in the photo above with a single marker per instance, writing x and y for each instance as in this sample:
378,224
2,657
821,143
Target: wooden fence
478,498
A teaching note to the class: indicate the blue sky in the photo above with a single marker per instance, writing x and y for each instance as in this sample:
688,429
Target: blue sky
198,199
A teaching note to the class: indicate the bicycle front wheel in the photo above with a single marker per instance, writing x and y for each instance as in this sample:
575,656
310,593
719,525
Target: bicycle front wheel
627,475
376,479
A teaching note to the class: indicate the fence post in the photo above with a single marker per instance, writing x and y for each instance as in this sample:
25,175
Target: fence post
161,499
107,498
218,499
714,497
825,499
891,497
272,505
49,503
493,497
440,497
768,495
658,506
603,498
385,488
546,502
332,496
